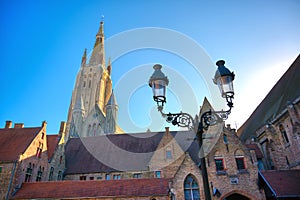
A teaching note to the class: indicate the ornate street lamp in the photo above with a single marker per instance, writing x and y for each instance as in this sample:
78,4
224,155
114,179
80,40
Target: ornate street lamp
158,82
224,79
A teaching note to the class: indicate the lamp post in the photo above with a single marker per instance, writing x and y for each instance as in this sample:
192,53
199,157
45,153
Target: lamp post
224,79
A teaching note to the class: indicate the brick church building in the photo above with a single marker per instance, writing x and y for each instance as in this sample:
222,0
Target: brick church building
91,157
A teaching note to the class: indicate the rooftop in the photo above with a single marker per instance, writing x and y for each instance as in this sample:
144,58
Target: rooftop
103,188
284,183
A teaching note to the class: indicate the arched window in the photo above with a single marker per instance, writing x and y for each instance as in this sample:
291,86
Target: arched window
191,188
283,133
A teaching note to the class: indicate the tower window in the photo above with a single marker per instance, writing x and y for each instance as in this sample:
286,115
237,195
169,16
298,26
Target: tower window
84,83
90,83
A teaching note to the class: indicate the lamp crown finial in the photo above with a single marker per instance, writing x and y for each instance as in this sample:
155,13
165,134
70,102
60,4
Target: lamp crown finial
220,63
157,66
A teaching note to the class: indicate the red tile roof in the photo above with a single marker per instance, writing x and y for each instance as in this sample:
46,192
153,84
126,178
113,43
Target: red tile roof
284,183
52,141
103,188
14,141
256,149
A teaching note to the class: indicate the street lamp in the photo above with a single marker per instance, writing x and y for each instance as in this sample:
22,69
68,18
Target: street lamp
224,79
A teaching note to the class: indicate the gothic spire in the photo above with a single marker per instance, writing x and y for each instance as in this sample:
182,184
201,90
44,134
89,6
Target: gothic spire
98,57
83,60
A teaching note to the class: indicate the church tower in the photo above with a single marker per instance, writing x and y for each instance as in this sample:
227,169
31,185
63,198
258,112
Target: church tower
92,110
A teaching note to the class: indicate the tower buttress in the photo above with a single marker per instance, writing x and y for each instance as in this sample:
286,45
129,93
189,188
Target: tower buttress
111,114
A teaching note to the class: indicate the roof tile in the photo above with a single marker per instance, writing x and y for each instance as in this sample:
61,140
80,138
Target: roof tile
14,141
283,182
103,188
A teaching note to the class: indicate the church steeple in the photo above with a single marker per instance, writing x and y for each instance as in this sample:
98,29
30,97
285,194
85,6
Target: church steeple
98,57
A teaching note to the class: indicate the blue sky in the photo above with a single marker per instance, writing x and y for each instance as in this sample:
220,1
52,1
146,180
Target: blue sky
43,41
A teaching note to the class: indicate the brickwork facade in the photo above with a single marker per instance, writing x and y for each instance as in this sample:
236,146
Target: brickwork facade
280,140
231,169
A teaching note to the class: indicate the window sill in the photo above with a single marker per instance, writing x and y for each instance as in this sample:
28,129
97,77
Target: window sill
243,171
221,172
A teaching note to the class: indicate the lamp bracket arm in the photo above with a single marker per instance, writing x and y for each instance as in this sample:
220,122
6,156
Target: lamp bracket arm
180,119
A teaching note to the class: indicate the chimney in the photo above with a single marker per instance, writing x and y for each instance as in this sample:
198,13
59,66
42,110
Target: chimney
167,130
228,127
8,124
19,125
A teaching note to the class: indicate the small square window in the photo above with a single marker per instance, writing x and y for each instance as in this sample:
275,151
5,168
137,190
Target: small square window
99,178
168,154
158,174
219,164
137,175
117,177
91,178
82,178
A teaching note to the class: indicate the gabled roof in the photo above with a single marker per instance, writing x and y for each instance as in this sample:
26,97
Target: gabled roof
52,141
105,188
256,149
15,141
283,183
285,90
120,152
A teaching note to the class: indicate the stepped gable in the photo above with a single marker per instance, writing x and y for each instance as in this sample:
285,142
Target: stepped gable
256,150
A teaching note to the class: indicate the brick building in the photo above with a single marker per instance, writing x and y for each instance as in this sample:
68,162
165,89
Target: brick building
23,156
274,128
153,165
